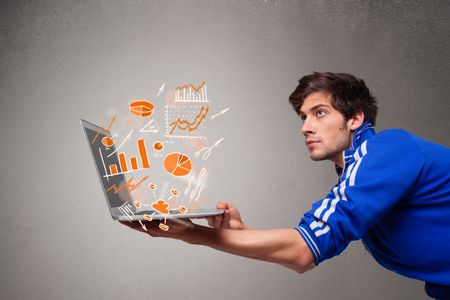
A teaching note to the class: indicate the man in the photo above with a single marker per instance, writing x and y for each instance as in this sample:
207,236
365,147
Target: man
393,193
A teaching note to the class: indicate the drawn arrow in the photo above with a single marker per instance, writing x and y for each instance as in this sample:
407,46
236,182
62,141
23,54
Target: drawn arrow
143,225
161,89
128,136
222,112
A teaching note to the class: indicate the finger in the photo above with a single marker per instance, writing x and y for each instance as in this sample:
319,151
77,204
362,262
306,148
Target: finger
155,232
185,223
234,211
218,221
221,205
226,217
231,207
138,227
210,221
133,225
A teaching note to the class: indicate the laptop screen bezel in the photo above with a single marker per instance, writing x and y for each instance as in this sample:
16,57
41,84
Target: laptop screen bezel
125,192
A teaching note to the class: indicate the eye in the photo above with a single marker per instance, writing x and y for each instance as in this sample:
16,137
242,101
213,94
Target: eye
320,113
303,117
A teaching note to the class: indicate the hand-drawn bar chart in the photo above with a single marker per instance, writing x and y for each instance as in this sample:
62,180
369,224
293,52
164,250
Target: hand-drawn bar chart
133,167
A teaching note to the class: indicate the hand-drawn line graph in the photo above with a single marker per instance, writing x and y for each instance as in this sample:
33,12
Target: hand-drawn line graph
186,120
187,125
189,93
128,184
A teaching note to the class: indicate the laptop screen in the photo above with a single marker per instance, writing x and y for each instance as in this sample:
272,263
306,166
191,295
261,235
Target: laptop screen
106,161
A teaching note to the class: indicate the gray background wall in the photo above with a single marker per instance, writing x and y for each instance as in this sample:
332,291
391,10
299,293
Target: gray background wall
62,60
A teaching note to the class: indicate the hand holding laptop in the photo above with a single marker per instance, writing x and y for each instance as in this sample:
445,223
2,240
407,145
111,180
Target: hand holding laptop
180,229
230,219
120,204
173,228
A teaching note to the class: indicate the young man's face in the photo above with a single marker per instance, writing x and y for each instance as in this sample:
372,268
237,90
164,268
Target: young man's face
326,131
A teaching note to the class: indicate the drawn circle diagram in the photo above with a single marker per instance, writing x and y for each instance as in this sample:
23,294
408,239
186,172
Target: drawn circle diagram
141,108
158,146
107,141
177,164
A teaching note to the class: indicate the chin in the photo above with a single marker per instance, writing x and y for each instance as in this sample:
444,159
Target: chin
317,157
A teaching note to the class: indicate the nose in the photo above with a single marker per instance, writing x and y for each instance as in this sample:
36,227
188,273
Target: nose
307,127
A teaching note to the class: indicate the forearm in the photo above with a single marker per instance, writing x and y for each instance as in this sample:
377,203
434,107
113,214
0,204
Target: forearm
282,246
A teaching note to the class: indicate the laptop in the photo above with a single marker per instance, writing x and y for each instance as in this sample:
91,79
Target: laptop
120,204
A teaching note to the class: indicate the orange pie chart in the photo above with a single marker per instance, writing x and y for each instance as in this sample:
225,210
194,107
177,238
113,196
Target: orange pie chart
177,164
141,108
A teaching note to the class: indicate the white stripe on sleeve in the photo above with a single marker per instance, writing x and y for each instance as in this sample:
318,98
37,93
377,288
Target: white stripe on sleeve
353,176
311,240
330,210
322,231
339,193
316,224
322,207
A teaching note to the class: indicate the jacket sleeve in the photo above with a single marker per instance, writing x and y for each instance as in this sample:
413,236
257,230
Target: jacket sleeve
385,169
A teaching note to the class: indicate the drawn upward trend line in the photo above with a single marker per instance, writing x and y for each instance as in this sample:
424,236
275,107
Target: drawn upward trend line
186,125
131,186
192,86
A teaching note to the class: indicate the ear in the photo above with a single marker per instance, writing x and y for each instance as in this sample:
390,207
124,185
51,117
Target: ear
356,121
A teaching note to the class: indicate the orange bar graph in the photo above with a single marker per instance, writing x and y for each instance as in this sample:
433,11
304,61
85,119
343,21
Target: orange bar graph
143,154
133,162
113,169
123,162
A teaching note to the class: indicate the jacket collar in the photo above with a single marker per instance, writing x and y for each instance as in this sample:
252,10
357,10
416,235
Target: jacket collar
363,133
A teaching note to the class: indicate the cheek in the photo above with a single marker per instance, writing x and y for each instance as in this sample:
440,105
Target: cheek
337,138
335,134
343,138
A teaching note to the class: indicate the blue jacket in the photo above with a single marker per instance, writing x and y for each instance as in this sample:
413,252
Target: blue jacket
394,194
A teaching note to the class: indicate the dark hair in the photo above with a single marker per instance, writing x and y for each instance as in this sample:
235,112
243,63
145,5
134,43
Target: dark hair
349,95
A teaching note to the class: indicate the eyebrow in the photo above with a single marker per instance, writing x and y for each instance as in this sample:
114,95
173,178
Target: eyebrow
315,107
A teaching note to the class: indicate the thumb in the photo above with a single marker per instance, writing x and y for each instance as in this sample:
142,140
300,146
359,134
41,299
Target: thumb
226,218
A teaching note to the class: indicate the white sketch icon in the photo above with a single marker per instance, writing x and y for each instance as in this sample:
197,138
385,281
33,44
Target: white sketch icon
222,112
151,126
207,150
161,89
125,209
124,141
196,191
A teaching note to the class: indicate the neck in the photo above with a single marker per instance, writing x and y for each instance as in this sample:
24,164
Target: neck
339,159
339,162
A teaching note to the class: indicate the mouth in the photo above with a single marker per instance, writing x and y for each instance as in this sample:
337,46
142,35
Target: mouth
311,144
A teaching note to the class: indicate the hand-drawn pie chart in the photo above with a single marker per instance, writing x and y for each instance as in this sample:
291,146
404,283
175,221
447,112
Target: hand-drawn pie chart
141,108
177,164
